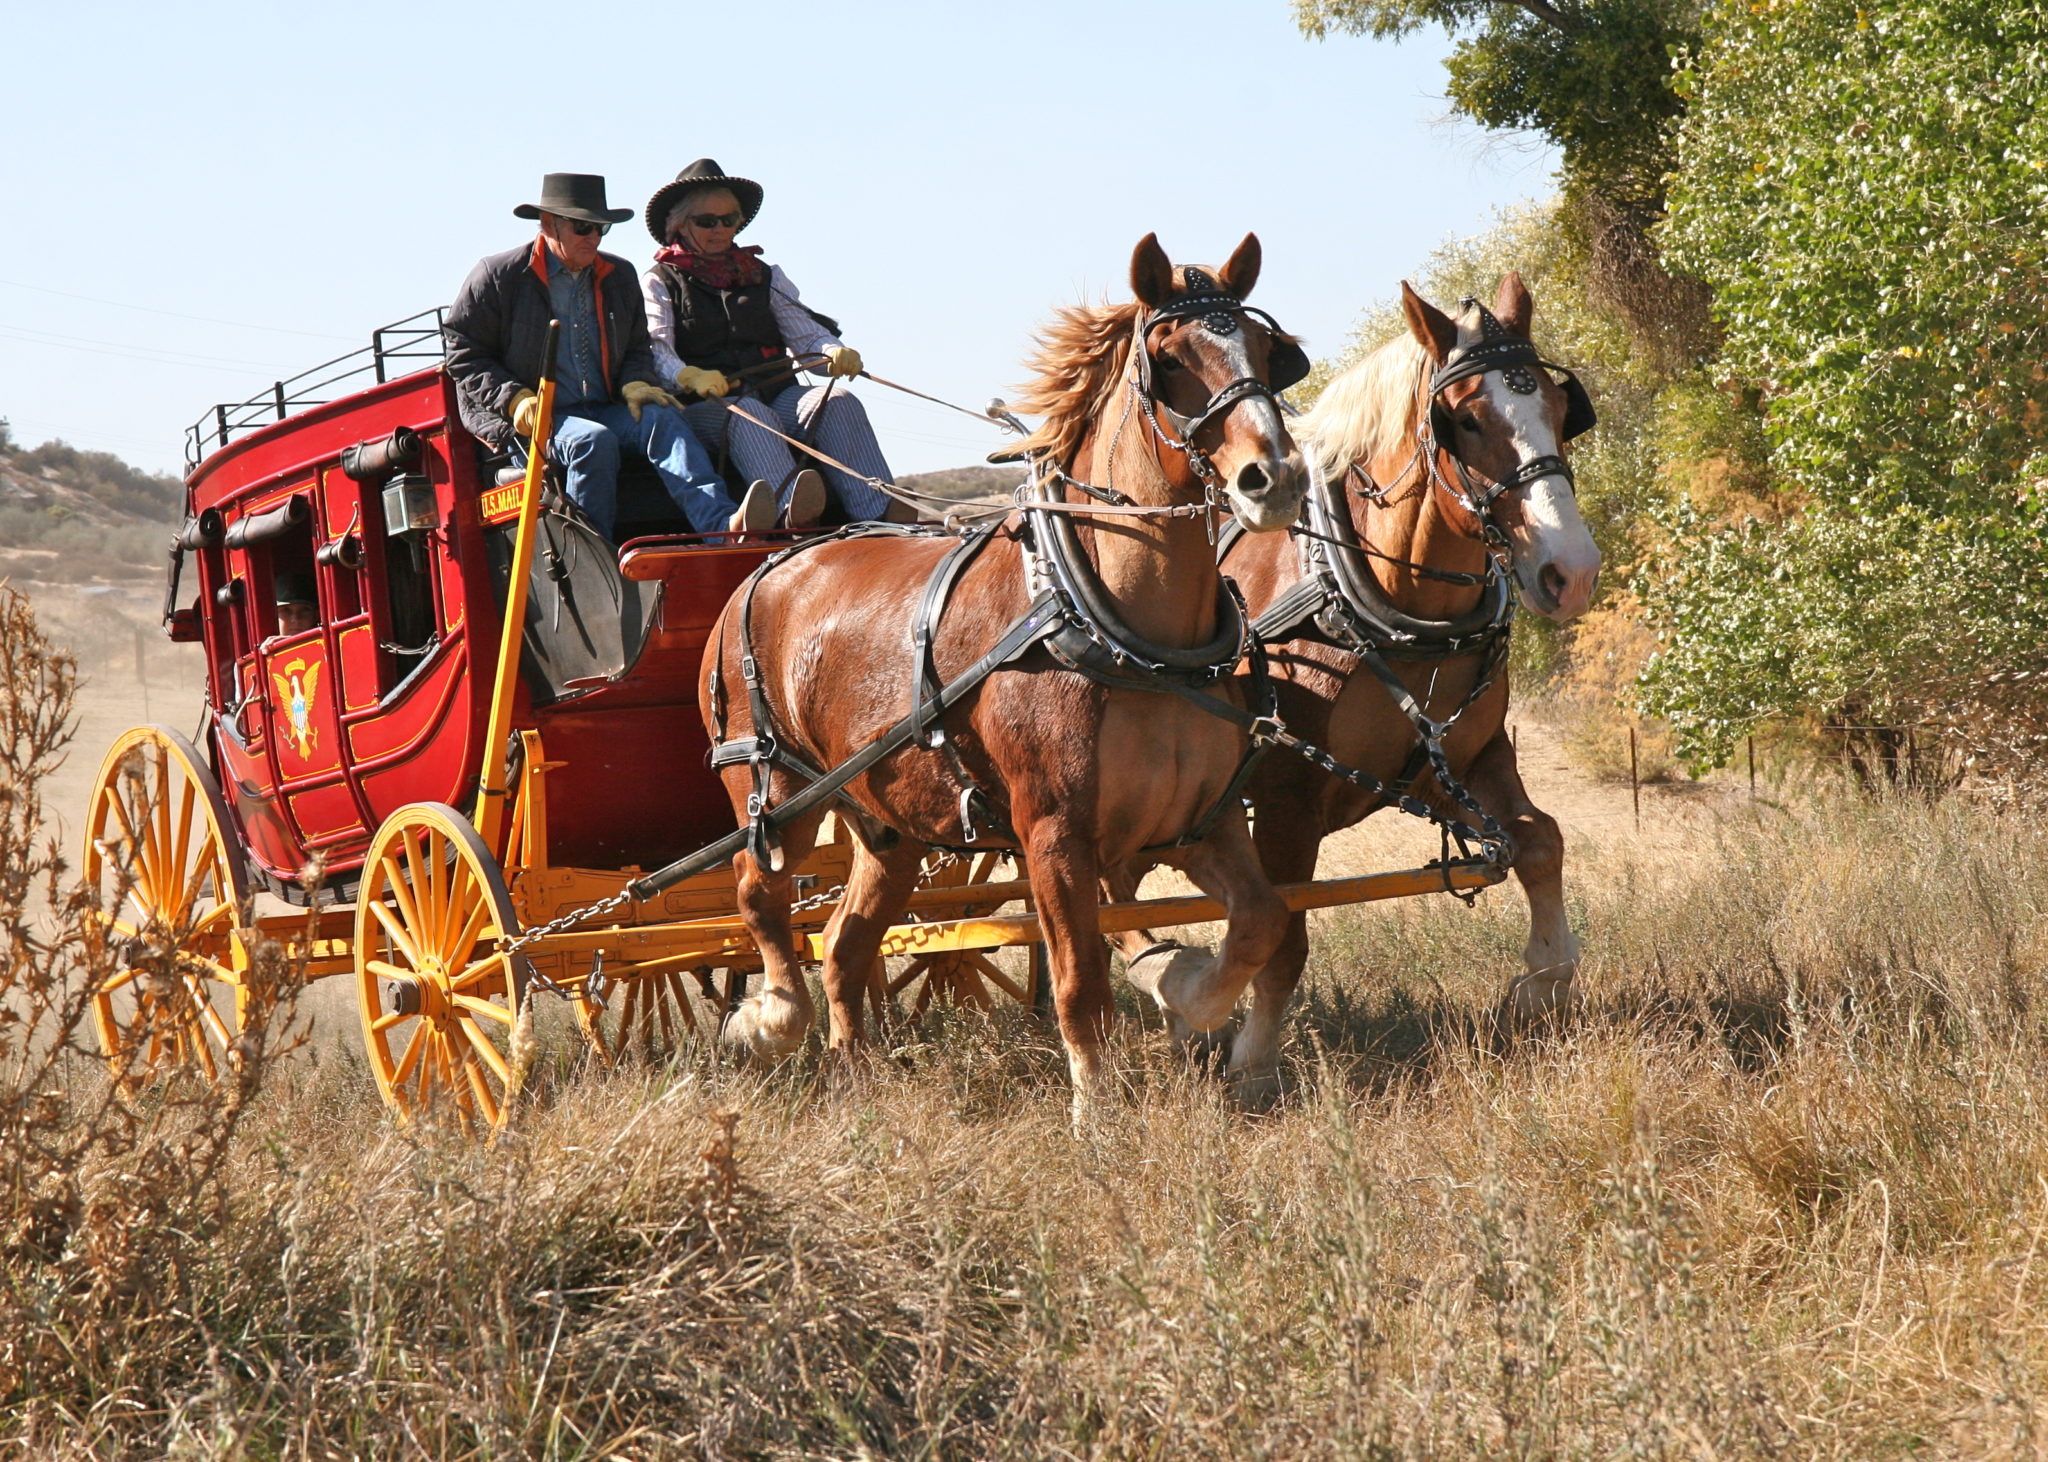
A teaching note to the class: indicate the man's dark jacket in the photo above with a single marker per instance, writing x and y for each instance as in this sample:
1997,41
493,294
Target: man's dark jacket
497,330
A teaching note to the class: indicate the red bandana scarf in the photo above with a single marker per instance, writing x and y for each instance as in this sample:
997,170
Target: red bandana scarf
729,270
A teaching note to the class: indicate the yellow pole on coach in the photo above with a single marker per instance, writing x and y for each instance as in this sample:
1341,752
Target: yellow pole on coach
492,793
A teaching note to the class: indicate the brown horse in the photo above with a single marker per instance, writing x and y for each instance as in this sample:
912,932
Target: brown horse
1157,418
1445,446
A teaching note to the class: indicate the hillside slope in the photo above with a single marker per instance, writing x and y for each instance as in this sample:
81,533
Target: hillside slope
74,515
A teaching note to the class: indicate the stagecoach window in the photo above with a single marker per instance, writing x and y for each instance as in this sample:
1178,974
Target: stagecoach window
282,563
408,605
229,637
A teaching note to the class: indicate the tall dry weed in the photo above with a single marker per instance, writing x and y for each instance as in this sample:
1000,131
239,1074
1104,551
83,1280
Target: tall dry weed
112,1186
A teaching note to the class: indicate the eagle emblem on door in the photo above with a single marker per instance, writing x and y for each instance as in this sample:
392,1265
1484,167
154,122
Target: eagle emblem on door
297,689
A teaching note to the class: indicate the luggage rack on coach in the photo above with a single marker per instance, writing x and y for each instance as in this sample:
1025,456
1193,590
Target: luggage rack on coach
415,340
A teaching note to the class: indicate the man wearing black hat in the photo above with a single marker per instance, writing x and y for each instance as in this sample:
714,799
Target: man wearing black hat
298,610
608,398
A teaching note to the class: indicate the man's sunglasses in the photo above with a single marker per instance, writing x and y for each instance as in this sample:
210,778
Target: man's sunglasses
716,220
584,230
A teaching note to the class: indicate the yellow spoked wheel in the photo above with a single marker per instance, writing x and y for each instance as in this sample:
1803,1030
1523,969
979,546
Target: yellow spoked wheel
965,976
653,1015
172,891
439,995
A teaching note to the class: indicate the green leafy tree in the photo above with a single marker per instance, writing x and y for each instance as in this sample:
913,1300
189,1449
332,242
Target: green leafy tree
1864,187
1593,76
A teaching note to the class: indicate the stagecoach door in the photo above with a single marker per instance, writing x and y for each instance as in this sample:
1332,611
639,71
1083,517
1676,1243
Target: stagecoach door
283,737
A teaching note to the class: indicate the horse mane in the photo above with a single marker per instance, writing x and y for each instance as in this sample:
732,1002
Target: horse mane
1372,407
1366,410
1080,359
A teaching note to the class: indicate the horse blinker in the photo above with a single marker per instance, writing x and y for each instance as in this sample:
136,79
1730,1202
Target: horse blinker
1579,415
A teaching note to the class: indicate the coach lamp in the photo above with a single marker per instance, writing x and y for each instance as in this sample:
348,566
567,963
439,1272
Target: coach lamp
409,506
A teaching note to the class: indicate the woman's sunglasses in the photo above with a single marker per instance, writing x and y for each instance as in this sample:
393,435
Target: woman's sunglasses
716,220
584,230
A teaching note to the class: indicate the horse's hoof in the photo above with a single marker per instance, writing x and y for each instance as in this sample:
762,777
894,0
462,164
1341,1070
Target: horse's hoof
1256,1091
1177,978
768,1025
1533,1003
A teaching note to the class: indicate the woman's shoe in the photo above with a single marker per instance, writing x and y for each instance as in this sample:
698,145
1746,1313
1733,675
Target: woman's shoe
806,500
756,512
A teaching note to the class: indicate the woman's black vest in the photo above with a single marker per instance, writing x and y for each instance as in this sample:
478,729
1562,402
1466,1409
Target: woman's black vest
722,330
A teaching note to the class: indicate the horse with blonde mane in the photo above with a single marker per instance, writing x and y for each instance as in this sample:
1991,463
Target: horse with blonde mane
1030,663
1437,475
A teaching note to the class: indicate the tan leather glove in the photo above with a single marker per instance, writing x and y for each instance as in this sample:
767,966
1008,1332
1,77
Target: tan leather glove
696,381
842,360
639,395
525,407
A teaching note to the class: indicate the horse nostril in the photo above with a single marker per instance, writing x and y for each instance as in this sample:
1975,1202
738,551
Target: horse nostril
1252,480
1553,581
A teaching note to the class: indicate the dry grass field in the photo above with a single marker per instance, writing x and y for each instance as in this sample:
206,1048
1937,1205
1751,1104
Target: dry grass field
1779,1189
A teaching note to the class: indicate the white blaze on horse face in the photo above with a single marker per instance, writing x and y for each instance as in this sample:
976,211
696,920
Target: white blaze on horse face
1556,561
1265,487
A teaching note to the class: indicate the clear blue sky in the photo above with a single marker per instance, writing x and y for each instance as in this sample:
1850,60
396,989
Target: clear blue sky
203,197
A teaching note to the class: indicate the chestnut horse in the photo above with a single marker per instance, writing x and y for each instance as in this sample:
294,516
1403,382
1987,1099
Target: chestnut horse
1158,417
1437,471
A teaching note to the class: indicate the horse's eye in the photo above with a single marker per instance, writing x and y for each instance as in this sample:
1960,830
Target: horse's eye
1466,423
1168,363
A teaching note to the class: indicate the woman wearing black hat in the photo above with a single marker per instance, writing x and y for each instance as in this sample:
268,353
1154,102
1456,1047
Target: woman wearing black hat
727,326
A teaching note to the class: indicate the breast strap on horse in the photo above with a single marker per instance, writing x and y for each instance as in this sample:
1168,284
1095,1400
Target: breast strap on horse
1338,600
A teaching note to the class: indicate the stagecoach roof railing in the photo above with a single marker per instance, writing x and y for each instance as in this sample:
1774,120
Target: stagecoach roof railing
412,343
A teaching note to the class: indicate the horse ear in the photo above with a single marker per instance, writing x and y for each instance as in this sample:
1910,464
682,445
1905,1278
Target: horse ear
1151,271
1242,272
1433,330
1513,305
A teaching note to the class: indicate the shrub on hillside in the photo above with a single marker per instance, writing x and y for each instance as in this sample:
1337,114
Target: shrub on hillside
106,477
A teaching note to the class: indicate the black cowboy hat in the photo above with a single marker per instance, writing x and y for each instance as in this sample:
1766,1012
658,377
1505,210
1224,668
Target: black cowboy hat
703,173
573,195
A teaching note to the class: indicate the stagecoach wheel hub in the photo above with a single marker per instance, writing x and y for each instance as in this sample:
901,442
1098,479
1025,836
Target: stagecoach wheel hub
172,892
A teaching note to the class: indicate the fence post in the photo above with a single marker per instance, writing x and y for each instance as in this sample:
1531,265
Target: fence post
1752,768
1635,781
141,672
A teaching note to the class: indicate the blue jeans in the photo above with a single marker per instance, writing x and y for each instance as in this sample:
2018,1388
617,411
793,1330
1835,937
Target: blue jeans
589,438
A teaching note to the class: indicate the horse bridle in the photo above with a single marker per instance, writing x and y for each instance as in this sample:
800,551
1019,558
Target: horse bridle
1497,349
1219,311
